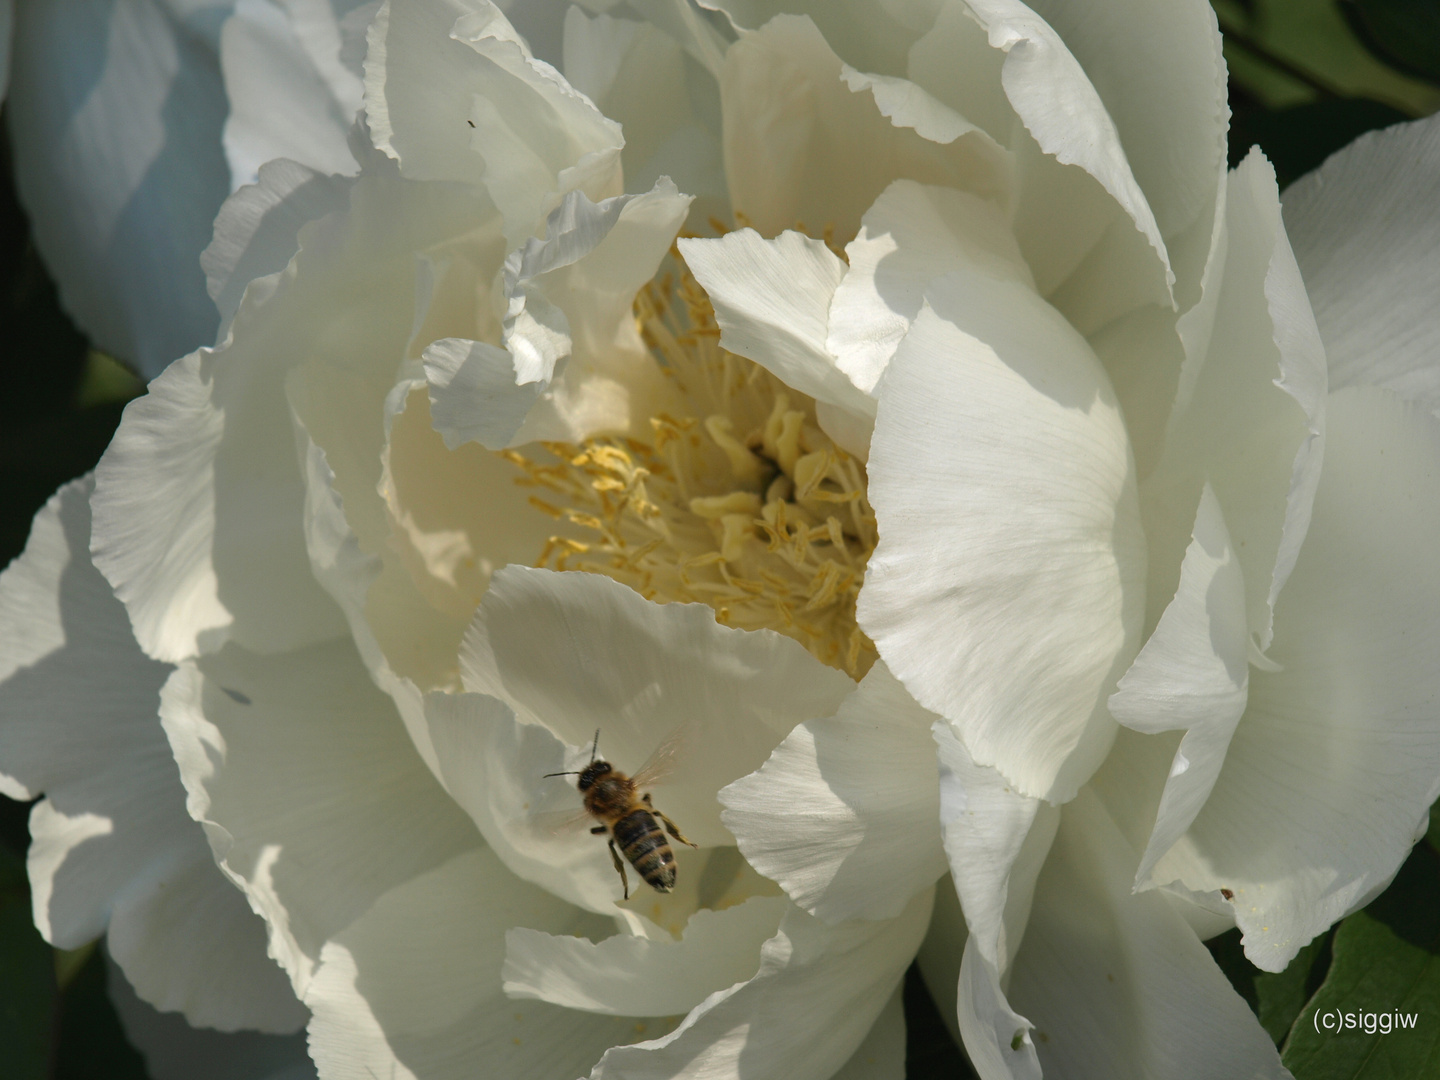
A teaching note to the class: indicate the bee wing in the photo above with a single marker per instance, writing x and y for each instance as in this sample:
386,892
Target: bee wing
665,757
559,822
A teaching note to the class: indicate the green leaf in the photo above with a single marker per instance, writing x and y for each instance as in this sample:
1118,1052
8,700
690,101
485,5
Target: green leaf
27,980
1387,964
1403,33
1288,52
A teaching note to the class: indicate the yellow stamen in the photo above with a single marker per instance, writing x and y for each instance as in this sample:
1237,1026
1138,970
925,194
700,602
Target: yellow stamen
744,504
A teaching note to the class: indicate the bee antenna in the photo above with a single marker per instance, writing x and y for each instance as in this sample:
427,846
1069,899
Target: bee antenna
595,750
572,772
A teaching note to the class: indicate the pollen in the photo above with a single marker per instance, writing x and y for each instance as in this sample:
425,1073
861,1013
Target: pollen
737,499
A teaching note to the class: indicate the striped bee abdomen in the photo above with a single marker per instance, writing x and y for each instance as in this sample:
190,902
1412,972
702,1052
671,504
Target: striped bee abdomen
645,847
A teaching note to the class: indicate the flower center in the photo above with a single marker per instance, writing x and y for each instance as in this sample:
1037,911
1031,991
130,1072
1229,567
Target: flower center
741,502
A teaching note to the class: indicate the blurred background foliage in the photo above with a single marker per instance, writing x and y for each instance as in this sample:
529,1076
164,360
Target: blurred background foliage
1306,77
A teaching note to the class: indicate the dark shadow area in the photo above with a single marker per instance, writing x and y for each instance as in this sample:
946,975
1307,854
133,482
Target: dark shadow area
930,1052
1299,138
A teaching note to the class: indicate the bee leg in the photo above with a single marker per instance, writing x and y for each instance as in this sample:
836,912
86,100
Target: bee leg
670,826
620,865
598,830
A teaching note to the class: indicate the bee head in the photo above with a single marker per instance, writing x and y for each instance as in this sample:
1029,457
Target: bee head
591,773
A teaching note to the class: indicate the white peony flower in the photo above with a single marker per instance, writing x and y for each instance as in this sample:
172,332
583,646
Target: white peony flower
1061,408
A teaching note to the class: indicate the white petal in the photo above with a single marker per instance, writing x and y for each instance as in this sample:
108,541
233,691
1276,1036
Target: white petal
1062,110
772,301
412,988
120,184
452,94
1337,755
355,578
610,382
197,515
817,993
908,105
290,97
912,235
801,146
995,841
954,62
540,23
1114,982
356,396
62,622
635,976
477,393
882,1055
573,291
189,943
257,230
686,25
577,652
1192,675
173,1050
1088,255
1255,422
1365,234
657,79
497,771
1161,78
111,840
200,498
995,1036
873,36
572,653
596,257
843,814
1009,445
1154,355
312,796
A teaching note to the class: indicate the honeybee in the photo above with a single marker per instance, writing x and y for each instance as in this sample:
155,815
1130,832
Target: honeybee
615,800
